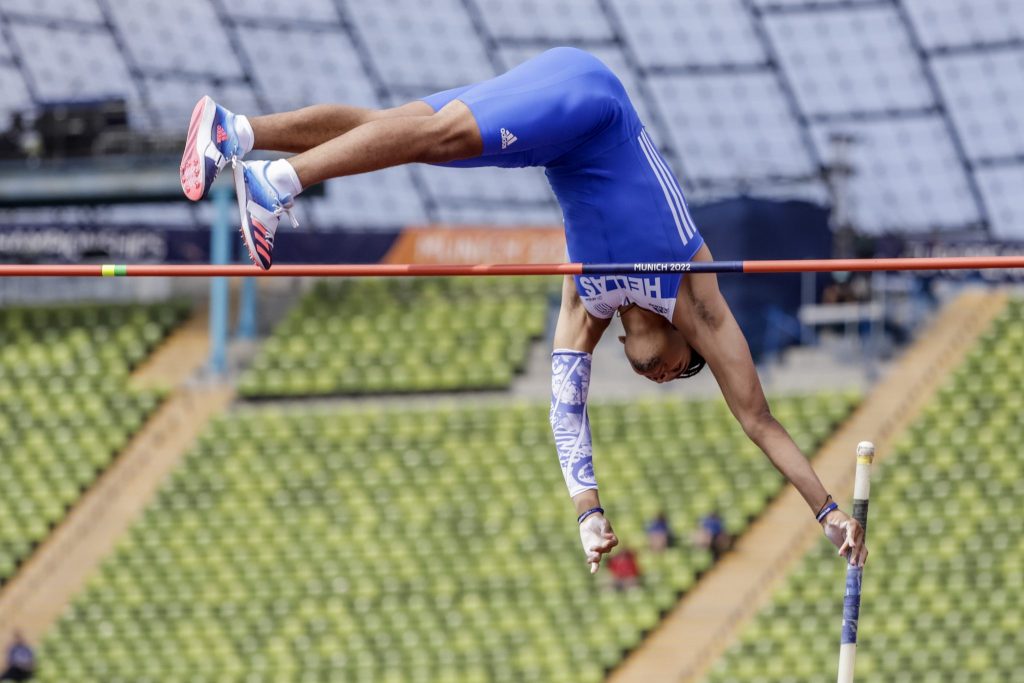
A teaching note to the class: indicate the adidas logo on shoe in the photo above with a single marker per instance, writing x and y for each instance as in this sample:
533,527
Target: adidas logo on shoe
507,138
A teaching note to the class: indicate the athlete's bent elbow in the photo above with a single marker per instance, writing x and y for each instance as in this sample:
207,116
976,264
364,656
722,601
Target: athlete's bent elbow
757,423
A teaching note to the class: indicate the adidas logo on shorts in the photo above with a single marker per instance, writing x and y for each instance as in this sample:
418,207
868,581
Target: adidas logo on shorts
507,138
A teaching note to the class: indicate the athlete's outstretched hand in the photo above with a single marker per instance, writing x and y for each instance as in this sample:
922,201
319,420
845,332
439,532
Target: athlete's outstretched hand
598,539
846,534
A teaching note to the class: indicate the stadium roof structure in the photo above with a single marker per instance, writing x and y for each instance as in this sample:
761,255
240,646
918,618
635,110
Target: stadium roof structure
920,99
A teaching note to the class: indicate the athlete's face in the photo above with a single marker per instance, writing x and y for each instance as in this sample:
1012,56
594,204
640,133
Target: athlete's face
654,347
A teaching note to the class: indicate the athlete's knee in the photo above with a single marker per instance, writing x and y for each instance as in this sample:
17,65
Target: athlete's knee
450,134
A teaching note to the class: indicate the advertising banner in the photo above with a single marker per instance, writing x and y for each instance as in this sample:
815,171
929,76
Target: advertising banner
479,244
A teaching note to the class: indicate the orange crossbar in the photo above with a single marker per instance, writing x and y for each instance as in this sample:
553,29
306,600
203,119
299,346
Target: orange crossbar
421,270
885,264
305,270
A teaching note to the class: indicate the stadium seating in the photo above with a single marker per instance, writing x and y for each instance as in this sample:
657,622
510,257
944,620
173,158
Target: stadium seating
742,97
372,336
409,544
942,594
65,408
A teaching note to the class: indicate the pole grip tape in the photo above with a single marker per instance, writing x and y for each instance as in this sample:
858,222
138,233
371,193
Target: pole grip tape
851,604
860,513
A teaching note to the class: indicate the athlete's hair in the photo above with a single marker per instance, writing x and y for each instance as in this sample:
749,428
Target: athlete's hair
643,366
695,365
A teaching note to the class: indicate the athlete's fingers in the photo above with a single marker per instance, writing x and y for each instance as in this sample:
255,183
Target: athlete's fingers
854,536
596,551
846,546
598,540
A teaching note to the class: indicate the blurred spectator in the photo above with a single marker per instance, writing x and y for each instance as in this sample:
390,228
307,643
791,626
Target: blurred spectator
21,140
713,536
21,660
659,534
10,139
838,291
624,568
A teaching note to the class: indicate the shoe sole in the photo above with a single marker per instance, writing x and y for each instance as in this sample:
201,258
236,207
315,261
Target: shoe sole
193,162
246,225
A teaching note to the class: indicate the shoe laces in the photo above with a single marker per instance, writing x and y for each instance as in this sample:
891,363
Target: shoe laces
286,210
282,204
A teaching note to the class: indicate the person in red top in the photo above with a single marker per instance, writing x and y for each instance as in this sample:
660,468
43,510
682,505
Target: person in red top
625,569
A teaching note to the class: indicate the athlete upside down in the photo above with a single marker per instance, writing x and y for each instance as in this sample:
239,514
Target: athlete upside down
566,111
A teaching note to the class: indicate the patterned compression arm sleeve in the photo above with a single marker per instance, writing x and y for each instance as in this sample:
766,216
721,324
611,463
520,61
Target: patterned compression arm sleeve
570,381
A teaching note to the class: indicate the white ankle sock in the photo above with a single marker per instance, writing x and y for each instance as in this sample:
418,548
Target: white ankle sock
246,138
283,177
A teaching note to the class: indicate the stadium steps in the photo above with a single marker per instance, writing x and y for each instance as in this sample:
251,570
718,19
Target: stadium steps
39,592
709,617
182,354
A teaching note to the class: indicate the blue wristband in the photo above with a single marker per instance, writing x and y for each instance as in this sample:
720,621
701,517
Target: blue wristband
825,510
579,520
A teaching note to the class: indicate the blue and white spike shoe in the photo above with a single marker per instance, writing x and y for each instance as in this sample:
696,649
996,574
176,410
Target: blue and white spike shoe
212,142
260,206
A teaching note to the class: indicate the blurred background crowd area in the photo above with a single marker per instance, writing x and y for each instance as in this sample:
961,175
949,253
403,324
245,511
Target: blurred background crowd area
905,109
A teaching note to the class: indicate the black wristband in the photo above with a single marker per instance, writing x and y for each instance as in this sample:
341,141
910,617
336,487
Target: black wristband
823,513
828,499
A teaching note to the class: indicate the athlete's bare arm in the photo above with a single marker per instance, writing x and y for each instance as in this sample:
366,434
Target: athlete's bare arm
704,318
578,330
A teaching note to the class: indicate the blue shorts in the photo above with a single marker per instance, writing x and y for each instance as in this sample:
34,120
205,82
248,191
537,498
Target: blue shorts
539,110
566,111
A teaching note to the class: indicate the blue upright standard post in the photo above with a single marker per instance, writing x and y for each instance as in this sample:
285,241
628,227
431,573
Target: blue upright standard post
247,304
220,250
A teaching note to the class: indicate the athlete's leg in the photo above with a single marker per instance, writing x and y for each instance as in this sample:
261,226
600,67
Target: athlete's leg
217,136
448,135
267,189
302,129
547,102
532,97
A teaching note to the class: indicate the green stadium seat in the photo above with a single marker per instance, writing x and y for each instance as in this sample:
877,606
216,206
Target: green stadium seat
65,407
374,336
